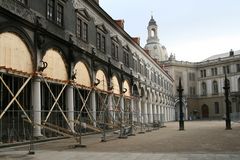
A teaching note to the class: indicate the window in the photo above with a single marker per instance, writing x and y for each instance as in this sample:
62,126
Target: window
55,12
215,87
192,91
101,42
59,14
191,76
204,89
203,73
135,65
147,73
214,71
126,58
238,84
238,67
216,107
114,50
141,68
50,10
101,38
82,25
226,69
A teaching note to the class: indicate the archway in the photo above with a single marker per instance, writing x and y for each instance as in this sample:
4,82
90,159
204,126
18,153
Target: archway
205,111
82,74
15,90
115,85
100,75
53,91
14,53
56,68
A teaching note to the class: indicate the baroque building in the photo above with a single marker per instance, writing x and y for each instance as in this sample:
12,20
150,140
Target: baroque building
203,82
65,63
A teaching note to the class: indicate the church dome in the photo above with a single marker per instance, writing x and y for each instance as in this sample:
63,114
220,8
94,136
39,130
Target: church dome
152,22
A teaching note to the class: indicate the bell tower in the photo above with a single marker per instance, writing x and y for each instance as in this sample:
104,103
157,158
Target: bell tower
152,31
156,50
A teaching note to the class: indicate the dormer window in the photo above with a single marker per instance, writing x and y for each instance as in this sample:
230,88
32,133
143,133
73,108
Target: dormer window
126,52
101,38
82,25
115,47
55,12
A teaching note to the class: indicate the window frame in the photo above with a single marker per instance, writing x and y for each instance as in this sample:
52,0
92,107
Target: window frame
101,38
82,25
215,88
54,7
115,49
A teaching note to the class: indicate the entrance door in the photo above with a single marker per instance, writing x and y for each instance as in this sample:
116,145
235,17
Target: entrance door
205,111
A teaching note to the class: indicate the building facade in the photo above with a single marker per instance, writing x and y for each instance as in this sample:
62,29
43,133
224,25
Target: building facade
63,62
203,84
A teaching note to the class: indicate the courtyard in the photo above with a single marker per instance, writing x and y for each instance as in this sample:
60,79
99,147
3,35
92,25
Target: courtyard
199,140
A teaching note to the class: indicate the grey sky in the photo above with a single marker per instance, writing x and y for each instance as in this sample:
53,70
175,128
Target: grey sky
192,29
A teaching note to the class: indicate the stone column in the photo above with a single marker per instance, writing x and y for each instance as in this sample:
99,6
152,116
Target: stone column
150,113
110,107
122,107
70,106
132,110
140,119
36,104
145,119
93,106
155,112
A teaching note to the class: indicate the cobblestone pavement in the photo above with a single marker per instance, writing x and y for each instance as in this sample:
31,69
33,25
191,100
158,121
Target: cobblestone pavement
201,140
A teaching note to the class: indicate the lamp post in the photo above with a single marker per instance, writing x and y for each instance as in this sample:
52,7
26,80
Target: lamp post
226,88
180,90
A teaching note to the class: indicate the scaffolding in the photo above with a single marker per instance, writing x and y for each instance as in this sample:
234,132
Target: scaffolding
109,114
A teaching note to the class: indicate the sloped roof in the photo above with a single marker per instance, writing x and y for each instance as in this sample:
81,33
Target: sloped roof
222,55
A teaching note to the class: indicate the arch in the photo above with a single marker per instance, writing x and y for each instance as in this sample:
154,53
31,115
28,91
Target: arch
100,75
135,90
127,86
153,32
115,85
205,111
56,68
14,53
82,74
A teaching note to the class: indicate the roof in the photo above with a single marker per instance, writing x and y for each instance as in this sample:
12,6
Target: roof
222,55
152,22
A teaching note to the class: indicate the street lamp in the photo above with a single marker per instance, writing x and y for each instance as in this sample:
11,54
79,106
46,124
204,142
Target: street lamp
180,90
226,88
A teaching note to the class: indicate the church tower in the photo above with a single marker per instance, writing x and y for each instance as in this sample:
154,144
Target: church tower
156,50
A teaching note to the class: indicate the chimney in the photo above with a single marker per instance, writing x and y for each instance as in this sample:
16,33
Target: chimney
120,23
136,40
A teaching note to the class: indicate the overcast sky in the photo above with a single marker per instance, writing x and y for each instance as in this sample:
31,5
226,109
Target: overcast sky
191,29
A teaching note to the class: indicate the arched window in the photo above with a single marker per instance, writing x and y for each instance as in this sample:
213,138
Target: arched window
215,87
204,89
152,32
